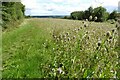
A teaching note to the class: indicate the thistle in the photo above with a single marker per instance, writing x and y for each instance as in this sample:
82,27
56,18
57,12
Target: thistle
67,33
68,39
74,37
90,18
95,18
108,34
99,43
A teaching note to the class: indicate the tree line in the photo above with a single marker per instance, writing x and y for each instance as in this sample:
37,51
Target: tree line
12,13
98,14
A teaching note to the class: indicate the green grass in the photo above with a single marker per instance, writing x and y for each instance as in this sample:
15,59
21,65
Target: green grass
31,50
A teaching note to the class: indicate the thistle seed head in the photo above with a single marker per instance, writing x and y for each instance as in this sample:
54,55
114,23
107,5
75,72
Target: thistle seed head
99,43
108,34
95,18
90,18
74,37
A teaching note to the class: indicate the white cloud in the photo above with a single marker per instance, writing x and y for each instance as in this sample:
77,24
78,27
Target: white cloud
46,7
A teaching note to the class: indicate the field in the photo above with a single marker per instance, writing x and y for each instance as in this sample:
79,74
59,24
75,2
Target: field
43,48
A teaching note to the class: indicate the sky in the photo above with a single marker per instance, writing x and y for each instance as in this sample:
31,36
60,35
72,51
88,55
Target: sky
65,7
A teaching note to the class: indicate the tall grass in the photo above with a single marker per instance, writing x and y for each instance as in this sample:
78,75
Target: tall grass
55,48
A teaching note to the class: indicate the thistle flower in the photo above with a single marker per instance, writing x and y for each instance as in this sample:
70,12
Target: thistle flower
110,37
108,34
85,25
95,18
68,39
116,25
83,22
75,29
86,32
90,18
67,33
118,28
55,37
86,19
113,30
88,37
74,37
60,70
58,39
64,36
53,49
80,27
99,43
65,41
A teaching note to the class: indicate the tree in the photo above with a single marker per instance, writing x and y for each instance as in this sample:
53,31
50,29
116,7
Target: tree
12,12
77,15
100,12
113,15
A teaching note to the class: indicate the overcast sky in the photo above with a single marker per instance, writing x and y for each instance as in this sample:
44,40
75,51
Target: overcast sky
65,7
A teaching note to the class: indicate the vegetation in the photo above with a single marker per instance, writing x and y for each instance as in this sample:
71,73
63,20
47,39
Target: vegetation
55,48
12,13
58,48
99,12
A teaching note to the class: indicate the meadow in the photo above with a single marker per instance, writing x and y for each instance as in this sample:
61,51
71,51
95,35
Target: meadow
55,48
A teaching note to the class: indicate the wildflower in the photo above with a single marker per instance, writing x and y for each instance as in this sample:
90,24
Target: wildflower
90,18
108,34
99,43
68,39
86,32
75,29
74,37
57,39
61,65
53,49
110,37
65,41
86,19
60,70
95,18
116,25
113,30
118,28
64,35
83,22
85,25
80,27
67,33
88,37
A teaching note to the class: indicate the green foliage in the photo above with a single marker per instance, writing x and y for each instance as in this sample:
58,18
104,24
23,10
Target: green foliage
113,15
100,12
78,15
90,14
12,12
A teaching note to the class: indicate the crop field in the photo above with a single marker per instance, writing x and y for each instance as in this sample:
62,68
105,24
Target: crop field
55,48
